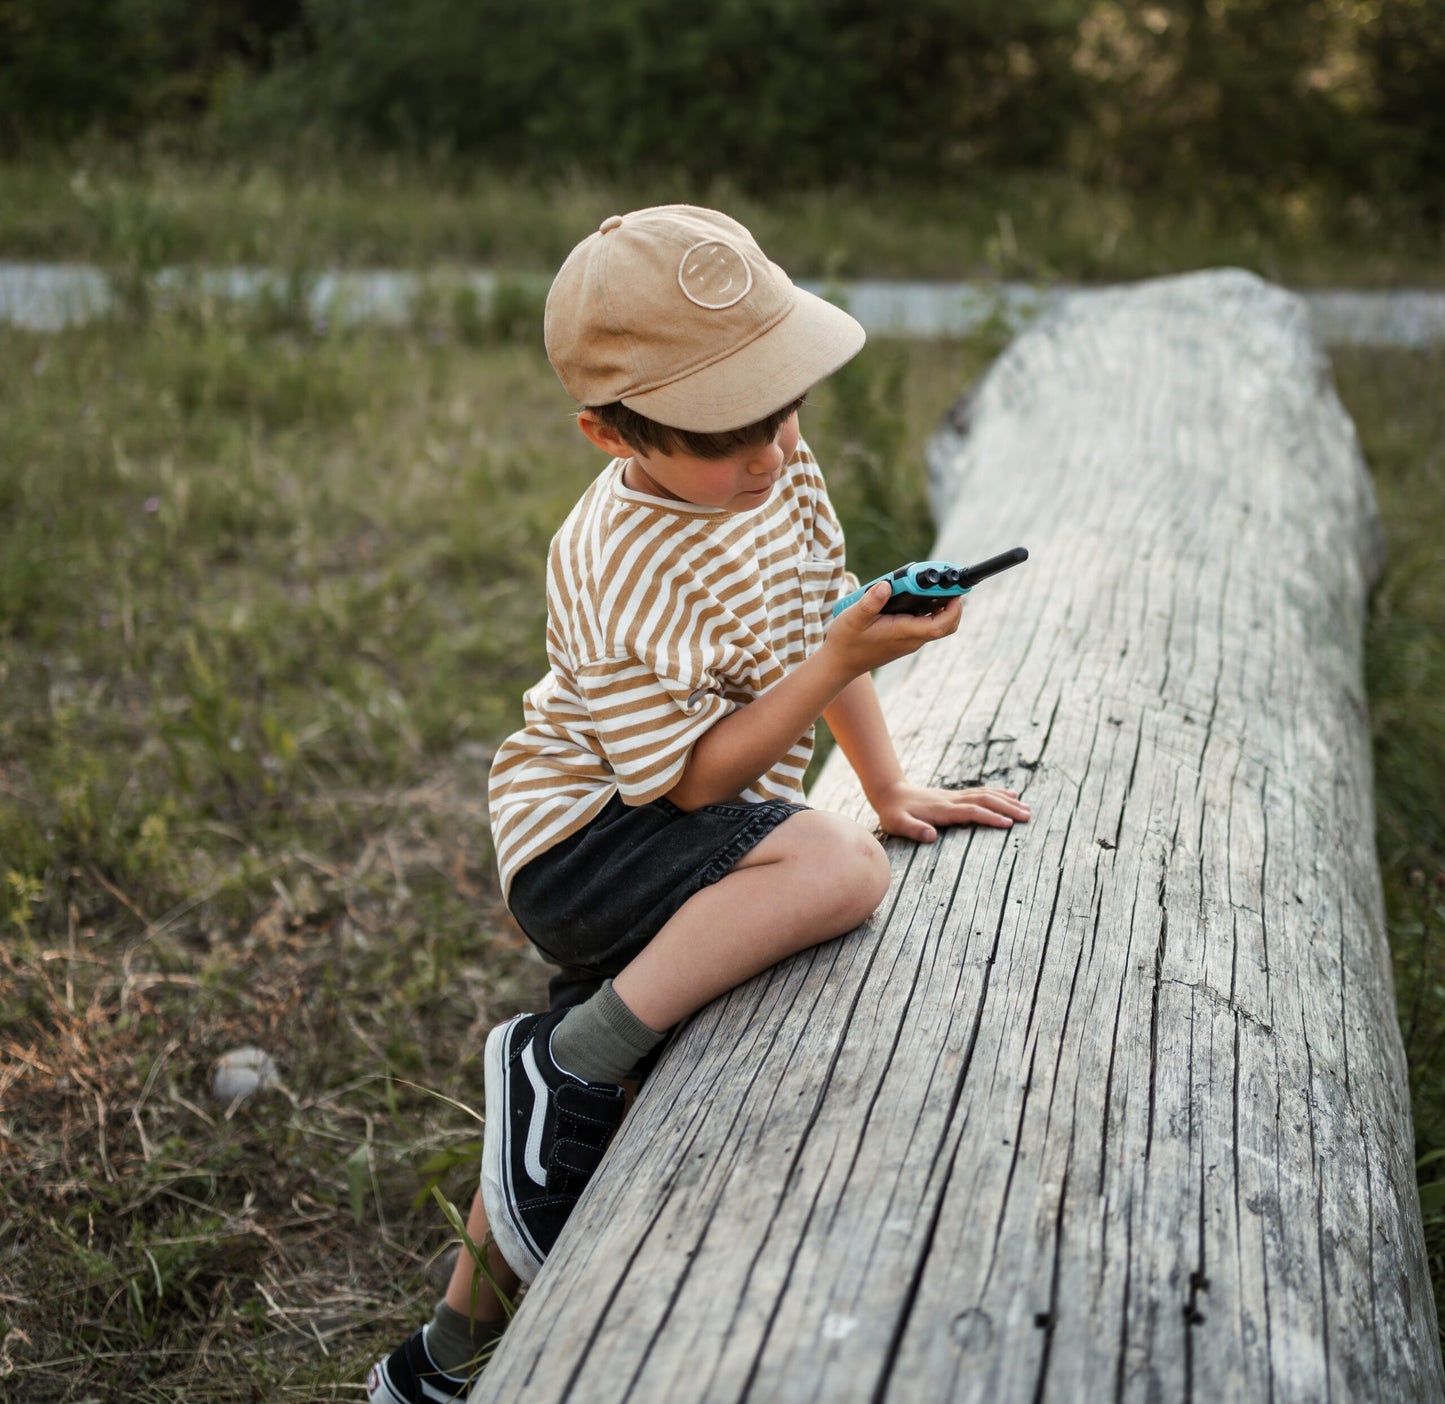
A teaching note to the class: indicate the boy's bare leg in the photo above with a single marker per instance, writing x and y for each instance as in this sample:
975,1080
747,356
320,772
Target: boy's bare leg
816,876
439,1358
469,1292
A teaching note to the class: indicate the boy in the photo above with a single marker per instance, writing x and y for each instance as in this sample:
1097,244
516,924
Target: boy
649,817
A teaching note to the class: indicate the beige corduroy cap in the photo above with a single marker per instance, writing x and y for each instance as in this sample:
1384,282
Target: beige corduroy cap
676,312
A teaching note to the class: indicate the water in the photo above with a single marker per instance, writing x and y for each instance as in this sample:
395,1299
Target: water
47,297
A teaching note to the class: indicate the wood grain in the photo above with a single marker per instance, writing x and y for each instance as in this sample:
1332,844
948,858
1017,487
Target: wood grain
1112,1106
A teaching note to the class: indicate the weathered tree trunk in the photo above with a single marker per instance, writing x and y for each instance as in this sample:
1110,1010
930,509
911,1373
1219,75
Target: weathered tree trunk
1112,1106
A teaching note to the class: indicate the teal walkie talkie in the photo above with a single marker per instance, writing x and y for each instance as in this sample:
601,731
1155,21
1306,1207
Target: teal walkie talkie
921,587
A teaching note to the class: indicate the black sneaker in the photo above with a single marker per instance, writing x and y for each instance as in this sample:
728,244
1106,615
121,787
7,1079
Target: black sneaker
410,1376
545,1134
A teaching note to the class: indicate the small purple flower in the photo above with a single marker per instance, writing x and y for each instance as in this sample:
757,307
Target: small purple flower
153,504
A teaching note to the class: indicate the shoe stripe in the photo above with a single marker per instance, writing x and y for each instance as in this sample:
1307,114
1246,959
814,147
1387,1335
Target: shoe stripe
380,1380
532,1158
499,1184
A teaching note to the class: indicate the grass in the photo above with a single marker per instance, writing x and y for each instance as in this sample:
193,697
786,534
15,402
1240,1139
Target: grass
267,599
254,655
1396,402
136,212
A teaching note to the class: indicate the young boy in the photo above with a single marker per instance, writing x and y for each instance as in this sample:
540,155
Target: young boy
649,818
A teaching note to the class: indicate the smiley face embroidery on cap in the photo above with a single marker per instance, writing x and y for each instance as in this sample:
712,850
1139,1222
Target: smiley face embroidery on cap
714,275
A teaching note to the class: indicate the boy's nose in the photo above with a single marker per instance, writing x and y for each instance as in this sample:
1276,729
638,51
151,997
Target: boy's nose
767,459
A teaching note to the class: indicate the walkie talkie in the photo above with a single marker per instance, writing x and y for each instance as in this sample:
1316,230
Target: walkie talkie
921,587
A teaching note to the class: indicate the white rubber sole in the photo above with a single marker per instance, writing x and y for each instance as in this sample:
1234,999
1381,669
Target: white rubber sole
496,1153
378,1388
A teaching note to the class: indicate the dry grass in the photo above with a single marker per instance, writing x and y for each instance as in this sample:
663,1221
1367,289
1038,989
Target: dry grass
267,600
162,1244
268,597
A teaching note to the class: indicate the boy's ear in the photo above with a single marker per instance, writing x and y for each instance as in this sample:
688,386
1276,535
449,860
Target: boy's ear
603,435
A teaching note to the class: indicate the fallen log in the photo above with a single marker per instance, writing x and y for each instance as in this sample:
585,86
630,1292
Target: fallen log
1114,1105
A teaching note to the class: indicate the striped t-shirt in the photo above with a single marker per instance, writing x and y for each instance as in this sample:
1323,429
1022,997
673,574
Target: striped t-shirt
661,618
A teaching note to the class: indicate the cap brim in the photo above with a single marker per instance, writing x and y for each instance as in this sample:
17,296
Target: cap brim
775,368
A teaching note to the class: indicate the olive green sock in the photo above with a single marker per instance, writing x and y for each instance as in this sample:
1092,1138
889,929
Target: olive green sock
602,1039
454,1340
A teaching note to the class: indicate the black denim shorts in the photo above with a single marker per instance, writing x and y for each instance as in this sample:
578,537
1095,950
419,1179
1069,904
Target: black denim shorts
593,901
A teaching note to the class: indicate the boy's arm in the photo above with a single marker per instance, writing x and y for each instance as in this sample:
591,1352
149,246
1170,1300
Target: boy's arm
835,683
911,811
856,720
746,743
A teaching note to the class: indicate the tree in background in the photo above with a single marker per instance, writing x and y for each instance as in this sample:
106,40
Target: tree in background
1242,88
755,90
1341,95
68,67
1405,46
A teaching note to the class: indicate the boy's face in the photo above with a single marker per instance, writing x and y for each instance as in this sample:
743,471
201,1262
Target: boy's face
740,483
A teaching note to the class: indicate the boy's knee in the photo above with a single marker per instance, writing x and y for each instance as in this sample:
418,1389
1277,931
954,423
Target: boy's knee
874,874
852,860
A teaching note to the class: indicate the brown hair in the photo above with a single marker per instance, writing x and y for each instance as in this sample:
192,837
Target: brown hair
648,436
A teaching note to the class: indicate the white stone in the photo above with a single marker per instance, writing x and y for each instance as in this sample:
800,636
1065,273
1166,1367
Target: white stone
244,1071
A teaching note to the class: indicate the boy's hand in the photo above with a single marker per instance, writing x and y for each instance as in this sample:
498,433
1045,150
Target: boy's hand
862,637
917,812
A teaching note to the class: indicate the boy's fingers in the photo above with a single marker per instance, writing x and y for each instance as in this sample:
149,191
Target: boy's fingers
939,622
988,793
935,624
910,828
993,808
868,606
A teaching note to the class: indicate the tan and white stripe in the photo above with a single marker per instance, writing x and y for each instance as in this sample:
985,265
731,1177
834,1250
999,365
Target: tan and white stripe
661,618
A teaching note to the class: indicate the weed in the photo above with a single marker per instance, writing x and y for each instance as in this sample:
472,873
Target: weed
241,802
137,213
268,601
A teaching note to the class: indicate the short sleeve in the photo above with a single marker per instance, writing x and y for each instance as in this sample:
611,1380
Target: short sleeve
827,545
646,724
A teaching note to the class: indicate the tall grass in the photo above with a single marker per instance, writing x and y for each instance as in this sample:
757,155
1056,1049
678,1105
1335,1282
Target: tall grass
269,594
265,600
1396,401
137,212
